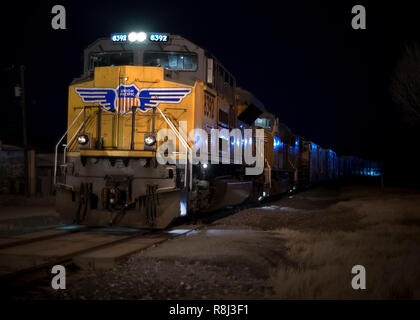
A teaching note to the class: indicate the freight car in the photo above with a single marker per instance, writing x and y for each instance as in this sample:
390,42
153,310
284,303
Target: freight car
140,90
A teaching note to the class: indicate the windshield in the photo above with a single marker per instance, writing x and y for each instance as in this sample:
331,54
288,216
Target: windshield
101,59
171,60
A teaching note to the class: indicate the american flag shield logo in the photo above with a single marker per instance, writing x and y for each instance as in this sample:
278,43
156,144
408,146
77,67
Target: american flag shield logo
124,97
128,97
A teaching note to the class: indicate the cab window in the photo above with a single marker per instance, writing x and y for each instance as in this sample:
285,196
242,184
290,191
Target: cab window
101,59
186,61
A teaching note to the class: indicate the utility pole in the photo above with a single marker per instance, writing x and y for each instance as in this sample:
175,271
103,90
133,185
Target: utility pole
24,131
23,105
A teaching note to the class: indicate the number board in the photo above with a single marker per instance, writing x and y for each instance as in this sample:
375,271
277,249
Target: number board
119,37
158,37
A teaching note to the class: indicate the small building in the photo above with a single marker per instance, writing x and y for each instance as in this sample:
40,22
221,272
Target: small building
12,171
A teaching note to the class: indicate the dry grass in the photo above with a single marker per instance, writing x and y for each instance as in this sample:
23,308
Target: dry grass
386,243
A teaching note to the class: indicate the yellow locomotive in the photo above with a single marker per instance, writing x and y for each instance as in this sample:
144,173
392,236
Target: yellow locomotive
140,89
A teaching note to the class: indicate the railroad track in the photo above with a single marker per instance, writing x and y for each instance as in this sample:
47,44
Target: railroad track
42,249
45,234
27,260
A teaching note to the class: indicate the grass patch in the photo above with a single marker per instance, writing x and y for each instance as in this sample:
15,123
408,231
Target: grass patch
386,243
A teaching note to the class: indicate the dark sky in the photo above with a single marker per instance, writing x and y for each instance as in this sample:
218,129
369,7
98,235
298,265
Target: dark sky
327,82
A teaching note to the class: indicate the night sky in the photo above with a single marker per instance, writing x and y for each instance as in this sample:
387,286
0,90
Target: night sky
327,82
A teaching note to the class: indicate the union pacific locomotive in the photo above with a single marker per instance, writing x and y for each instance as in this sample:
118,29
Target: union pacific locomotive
135,86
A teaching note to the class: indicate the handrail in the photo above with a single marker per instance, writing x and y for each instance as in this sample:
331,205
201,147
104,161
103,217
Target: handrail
59,141
71,140
184,142
176,131
85,122
186,145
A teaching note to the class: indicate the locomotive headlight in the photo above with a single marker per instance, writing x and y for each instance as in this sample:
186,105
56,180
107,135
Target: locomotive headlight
149,139
132,37
141,36
137,36
83,139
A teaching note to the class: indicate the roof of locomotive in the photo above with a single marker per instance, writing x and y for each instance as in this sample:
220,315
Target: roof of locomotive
173,43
